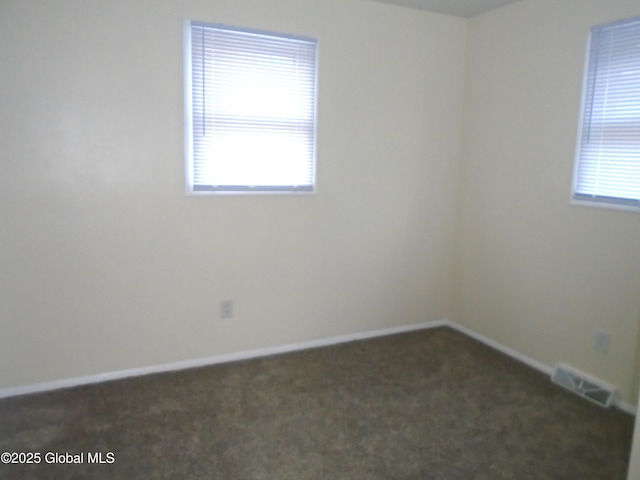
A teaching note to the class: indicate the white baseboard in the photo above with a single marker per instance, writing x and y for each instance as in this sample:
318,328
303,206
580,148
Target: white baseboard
533,363
502,348
263,352
217,359
625,406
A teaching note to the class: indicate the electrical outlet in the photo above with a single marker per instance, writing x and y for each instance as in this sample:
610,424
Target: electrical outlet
601,341
226,309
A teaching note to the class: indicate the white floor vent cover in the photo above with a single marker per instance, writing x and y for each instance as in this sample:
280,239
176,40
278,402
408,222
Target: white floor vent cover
585,386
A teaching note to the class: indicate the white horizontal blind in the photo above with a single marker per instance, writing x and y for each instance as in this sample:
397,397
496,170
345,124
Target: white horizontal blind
253,98
608,163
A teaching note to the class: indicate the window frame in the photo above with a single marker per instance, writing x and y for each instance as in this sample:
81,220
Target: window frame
581,198
193,190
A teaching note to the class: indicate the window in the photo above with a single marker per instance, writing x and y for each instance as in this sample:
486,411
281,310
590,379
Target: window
250,110
608,158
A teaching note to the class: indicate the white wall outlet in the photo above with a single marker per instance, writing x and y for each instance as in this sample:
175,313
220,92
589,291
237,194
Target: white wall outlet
601,341
226,309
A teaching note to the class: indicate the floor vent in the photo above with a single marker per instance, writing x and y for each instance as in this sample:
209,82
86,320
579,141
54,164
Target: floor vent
593,390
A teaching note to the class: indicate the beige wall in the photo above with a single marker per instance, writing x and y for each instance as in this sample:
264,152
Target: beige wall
106,265
532,271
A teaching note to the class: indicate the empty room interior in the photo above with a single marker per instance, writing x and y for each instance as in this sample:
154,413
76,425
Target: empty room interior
445,147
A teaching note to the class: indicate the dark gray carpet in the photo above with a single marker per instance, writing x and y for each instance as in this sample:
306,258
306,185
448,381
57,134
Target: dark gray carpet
427,405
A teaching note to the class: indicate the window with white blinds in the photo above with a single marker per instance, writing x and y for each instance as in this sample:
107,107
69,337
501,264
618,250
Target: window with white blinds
251,110
608,158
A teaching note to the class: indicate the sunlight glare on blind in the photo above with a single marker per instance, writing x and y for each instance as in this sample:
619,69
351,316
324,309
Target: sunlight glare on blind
253,110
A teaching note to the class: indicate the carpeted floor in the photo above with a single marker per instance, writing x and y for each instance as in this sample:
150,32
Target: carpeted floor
432,404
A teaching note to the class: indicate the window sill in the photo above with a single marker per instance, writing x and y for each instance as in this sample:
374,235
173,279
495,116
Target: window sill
602,203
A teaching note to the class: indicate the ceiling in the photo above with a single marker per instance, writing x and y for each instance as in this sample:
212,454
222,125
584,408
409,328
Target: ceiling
459,8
